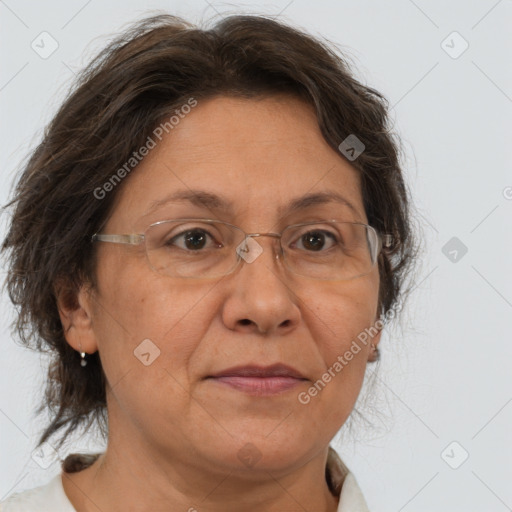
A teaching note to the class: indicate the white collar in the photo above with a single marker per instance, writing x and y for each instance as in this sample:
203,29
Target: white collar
344,484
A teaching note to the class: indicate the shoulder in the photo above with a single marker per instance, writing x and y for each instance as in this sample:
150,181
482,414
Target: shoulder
49,497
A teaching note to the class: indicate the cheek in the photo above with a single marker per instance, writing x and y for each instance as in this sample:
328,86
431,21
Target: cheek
339,314
148,329
145,320
338,321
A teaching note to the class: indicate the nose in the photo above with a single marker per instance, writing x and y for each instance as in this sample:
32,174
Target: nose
261,298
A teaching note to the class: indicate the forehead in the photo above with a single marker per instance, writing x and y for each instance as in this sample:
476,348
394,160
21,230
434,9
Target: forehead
255,158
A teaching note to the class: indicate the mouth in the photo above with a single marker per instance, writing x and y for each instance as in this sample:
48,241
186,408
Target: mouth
258,380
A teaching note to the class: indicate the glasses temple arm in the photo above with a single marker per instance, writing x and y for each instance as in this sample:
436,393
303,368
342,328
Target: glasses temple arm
118,239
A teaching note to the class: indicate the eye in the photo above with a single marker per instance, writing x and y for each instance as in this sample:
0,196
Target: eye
193,239
315,240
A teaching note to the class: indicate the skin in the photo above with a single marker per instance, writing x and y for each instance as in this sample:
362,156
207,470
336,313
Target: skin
173,436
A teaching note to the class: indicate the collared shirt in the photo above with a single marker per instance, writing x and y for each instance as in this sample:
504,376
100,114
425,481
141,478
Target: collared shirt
51,497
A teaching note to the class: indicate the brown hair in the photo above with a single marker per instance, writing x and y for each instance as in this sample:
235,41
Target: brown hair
137,80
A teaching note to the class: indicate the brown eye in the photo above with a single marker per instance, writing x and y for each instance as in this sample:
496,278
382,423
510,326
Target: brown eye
315,241
192,240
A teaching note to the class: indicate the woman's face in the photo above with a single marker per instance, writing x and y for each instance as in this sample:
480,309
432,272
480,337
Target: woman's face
257,156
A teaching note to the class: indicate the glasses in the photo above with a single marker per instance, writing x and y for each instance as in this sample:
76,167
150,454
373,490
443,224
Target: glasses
206,248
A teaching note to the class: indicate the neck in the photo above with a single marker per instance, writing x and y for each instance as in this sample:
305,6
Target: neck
134,479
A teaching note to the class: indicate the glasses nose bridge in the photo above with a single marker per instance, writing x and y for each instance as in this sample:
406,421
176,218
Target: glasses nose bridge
254,235
272,235
257,235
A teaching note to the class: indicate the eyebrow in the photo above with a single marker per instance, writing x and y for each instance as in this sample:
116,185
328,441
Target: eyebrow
215,202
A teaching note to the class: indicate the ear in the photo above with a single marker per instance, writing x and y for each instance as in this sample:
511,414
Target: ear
75,313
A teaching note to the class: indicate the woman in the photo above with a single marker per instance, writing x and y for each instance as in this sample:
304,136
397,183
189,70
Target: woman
208,239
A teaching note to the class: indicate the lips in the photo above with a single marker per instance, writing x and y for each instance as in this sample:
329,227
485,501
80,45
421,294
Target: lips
275,370
258,380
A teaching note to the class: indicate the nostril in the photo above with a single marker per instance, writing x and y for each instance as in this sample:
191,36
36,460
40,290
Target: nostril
245,321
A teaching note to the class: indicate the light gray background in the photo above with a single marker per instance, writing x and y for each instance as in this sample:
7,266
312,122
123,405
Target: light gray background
446,375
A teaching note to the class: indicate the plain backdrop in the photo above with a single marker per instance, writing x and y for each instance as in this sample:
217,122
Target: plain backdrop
438,435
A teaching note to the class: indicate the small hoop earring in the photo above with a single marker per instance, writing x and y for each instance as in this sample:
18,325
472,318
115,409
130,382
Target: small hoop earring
376,353
83,362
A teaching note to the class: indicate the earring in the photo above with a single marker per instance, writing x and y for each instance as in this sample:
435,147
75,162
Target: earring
83,362
375,353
